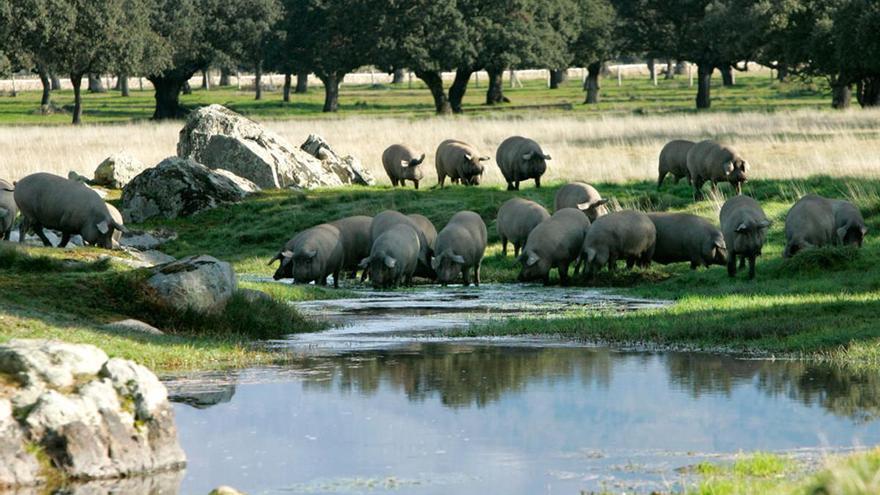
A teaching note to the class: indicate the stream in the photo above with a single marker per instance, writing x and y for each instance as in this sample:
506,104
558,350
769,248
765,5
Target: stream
383,402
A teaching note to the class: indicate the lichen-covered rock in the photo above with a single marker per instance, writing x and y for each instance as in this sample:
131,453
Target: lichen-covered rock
117,170
177,187
348,168
202,283
69,408
222,139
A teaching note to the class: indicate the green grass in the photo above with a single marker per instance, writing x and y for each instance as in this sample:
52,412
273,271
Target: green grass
753,92
822,303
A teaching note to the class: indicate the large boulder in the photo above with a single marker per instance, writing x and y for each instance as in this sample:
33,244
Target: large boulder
178,187
117,170
348,168
223,139
201,283
89,416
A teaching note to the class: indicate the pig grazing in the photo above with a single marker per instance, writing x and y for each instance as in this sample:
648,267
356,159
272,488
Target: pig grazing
460,247
402,164
554,243
393,256
51,202
673,160
355,233
521,159
744,226
8,209
625,234
685,237
517,217
428,234
312,255
714,162
581,196
815,221
460,162
389,218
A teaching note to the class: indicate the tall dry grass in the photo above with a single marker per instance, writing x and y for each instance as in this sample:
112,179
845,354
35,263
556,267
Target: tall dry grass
620,148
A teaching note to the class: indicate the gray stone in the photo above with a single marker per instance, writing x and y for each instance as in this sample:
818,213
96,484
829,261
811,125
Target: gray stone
50,363
177,187
253,295
117,170
347,168
202,283
133,326
241,182
223,139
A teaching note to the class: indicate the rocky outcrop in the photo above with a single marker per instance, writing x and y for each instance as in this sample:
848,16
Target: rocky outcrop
201,283
117,170
177,187
68,411
222,139
348,168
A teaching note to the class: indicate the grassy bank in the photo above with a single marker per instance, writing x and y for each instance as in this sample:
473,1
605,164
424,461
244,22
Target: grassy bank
71,296
636,94
822,304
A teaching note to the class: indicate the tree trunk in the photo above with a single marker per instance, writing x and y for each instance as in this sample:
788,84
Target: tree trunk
781,72
331,91
868,91
670,70
206,79
434,82
76,81
726,74
397,76
95,84
123,84
557,77
168,96
118,82
258,82
302,82
286,92
651,68
224,77
47,88
56,83
495,93
459,88
704,84
841,94
592,83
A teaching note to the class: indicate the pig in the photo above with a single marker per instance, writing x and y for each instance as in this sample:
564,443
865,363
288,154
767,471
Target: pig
555,243
517,217
394,256
711,161
355,233
626,234
744,226
460,246
460,162
52,202
581,196
401,165
428,233
312,255
521,159
388,218
8,209
685,237
815,221
673,160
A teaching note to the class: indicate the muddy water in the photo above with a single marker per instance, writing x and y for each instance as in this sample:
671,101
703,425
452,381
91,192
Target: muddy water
383,403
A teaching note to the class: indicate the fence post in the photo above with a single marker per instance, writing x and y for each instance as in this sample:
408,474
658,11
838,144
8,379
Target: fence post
477,79
690,75
238,79
619,76
141,82
410,80
14,93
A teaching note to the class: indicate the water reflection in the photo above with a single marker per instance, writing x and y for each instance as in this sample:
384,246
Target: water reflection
157,484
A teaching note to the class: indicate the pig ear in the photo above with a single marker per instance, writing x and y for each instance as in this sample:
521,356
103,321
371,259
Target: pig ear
532,259
546,157
120,227
404,163
591,254
742,227
420,160
457,258
728,168
745,166
528,156
311,254
484,158
364,262
103,227
763,224
390,262
864,230
468,156
275,258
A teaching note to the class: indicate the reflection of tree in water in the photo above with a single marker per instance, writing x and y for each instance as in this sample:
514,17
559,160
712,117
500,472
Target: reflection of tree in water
841,390
464,375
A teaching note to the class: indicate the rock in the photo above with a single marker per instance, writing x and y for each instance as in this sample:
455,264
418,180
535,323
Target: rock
348,168
117,170
88,416
253,295
241,182
202,283
223,139
176,187
153,257
133,326
145,241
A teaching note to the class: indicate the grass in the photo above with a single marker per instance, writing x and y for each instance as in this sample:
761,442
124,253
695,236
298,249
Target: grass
70,295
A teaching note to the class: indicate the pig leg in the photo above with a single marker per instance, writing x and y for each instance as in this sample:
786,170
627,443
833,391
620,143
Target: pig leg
516,248
739,189
477,273
335,279
698,188
731,265
65,238
504,247
563,274
537,183
742,262
38,229
416,184
516,186
630,262
660,180
441,179
465,276
751,267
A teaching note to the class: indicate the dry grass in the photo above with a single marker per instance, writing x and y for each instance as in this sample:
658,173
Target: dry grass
780,145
